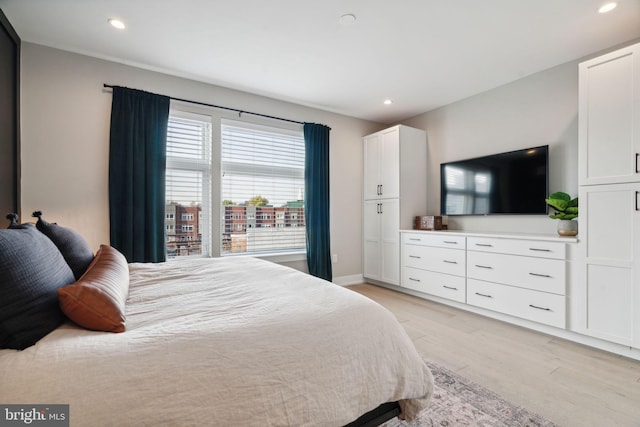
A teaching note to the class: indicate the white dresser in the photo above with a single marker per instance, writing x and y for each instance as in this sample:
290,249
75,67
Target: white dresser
434,264
520,276
531,280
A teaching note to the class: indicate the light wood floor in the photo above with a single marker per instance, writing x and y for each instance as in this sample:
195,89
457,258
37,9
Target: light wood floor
568,383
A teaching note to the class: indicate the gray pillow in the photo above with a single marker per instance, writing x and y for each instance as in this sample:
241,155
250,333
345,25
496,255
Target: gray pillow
73,247
31,271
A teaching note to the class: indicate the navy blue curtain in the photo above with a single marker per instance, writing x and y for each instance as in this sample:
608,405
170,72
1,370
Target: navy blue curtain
137,164
316,199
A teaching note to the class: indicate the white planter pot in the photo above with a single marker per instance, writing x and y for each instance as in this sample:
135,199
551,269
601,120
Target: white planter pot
567,227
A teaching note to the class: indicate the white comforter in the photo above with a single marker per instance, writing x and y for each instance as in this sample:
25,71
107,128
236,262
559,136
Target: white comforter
224,342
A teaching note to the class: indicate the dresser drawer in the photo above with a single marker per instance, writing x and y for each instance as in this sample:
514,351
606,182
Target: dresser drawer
440,240
540,274
448,261
534,248
527,304
438,284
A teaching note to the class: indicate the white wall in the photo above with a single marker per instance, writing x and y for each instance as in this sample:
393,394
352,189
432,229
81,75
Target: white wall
537,110
65,115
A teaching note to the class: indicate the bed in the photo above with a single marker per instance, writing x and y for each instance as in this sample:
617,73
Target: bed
225,341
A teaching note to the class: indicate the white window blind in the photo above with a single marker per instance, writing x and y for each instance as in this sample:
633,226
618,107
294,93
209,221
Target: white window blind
188,185
262,189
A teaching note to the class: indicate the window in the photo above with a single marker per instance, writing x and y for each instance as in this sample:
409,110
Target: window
188,184
262,173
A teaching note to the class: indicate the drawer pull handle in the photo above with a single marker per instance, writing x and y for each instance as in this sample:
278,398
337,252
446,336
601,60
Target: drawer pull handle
449,262
413,239
488,267
450,287
414,256
484,245
483,295
449,242
539,308
414,280
540,275
540,250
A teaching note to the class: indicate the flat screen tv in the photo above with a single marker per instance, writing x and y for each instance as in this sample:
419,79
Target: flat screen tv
516,182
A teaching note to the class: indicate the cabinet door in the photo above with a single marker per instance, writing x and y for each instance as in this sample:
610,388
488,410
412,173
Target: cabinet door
610,222
390,164
372,166
390,233
372,240
609,119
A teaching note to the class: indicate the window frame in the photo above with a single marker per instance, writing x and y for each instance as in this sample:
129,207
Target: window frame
216,118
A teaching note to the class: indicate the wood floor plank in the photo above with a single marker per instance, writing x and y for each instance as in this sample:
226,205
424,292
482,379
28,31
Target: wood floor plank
566,382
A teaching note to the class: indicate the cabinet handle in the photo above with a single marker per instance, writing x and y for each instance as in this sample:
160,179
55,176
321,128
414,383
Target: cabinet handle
381,189
415,240
414,280
539,308
450,287
540,250
488,267
484,245
380,207
540,275
483,295
637,192
414,256
637,155
449,262
449,242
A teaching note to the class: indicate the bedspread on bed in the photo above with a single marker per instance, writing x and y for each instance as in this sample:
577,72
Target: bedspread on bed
225,341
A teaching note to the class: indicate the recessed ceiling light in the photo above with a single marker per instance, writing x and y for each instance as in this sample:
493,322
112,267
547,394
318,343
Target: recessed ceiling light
347,19
116,23
607,7
388,102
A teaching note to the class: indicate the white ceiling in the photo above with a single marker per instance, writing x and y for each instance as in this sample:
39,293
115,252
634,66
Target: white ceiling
420,53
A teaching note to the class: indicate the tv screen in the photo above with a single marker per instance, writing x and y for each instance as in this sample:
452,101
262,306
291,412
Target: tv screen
515,182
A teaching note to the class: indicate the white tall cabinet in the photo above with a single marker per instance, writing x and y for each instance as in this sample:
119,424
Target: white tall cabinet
609,171
395,192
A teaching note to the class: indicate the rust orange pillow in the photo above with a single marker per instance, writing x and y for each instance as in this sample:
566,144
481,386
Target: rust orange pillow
97,300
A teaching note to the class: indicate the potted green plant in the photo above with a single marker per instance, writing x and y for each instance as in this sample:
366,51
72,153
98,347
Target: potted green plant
566,211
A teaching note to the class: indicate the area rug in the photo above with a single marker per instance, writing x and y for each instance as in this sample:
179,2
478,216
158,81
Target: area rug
458,401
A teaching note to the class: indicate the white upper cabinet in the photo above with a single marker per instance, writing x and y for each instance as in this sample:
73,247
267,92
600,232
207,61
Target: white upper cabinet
609,119
382,165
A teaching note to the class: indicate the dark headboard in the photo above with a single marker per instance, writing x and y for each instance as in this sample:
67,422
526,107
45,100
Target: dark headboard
9,118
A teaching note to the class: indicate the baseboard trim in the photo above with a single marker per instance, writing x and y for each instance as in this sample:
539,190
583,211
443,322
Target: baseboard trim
354,279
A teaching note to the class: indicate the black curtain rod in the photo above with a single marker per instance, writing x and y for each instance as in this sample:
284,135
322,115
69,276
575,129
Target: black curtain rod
240,112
